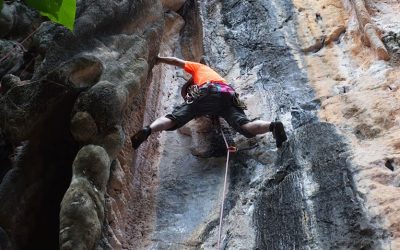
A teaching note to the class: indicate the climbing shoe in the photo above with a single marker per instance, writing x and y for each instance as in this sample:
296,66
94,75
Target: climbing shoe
140,137
278,132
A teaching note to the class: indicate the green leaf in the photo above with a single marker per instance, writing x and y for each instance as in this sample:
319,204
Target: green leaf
59,11
1,5
66,15
46,7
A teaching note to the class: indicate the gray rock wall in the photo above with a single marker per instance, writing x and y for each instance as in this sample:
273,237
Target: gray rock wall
312,201
300,197
73,100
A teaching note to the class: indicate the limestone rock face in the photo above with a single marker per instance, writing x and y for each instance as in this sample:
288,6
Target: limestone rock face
329,70
174,5
68,101
299,62
82,209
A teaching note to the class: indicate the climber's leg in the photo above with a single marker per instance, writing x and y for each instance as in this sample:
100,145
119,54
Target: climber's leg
256,127
162,123
261,127
238,120
181,115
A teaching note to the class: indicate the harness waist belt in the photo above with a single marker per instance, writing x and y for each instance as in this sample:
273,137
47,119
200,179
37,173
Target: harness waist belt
216,87
194,91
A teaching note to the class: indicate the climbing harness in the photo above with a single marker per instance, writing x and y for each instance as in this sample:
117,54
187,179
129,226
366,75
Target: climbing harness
194,92
230,149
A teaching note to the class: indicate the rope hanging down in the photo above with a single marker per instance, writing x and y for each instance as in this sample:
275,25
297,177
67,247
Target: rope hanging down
230,149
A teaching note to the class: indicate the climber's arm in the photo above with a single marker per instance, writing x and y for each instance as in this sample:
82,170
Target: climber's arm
172,61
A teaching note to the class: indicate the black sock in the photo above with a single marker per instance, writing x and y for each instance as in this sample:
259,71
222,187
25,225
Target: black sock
271,126
148,129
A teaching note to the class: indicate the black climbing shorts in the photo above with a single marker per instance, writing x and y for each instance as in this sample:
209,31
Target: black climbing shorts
220,104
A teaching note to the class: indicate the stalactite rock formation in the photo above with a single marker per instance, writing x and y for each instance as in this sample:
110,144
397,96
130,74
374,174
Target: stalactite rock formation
69,102
94,78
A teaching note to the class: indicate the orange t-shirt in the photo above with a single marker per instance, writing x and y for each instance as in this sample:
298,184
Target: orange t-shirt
202,73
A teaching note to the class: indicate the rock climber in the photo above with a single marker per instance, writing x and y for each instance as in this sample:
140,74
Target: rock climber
208,94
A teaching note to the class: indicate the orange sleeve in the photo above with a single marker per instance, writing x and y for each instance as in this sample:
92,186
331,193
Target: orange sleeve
202,73
191,67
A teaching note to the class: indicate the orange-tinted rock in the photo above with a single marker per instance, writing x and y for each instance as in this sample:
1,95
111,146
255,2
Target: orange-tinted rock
367,114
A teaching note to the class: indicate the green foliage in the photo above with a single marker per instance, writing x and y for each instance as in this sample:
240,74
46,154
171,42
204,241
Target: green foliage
59,11
1,5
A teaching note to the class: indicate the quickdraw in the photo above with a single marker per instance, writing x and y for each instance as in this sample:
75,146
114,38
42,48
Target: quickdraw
193,92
